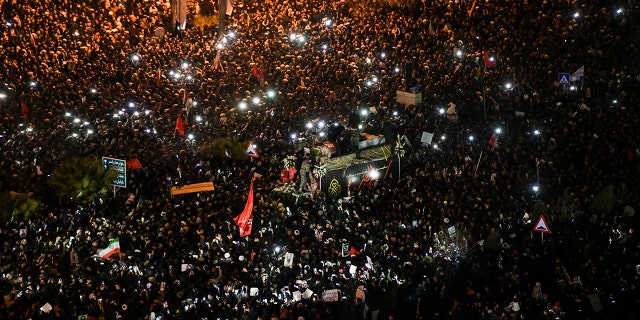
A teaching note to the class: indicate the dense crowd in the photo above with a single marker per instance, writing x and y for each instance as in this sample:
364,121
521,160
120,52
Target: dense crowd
110,78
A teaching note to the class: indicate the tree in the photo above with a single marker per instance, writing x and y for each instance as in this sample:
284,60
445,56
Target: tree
83,180
19,206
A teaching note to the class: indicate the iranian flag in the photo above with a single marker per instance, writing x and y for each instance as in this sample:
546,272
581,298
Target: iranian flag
111,249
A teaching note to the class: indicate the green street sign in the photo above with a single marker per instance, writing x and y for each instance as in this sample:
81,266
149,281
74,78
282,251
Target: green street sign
118,165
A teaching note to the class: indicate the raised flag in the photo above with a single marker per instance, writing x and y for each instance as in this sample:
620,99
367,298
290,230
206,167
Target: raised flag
251,150
111,249
185,96
25,110
134,164
488,62
180,125
245,219
578,75
257,72
229,7
493,142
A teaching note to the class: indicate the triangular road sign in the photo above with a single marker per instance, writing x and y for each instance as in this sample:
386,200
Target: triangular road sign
251,150
541,225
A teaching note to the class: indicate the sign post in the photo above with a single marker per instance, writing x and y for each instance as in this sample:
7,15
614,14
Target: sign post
121,167
542,227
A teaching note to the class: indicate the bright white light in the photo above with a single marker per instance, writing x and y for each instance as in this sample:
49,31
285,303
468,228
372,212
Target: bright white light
93,90
325,47
121,112
224,40
136,113
3,95
29,129
256,100
135,57
368,61
383,55
396,69
132,105
535,188
435,146
294,136
191,136
277,249
219,46
177,75
75,135
232,34
292,36
189,77
360,126
470,138
67,114
148,130
498,130
491,59
115,115
443,137
86,123
369,83
572,88
536,132
321,124
76,33
309,125
242,105
619,11
33,83
441,110
147,112
185,65
76,120
195,103
8,24
89,131
373,174
508,85
458,53
364,112
322,134
375,79
395,113
328,22
615,101
271,93
576,15
198,118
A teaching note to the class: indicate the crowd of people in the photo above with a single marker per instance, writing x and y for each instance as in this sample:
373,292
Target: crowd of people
450,237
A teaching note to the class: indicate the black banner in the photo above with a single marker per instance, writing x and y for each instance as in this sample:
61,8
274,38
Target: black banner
351,179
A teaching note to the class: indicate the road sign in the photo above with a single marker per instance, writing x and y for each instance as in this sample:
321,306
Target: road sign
251,150
563,78
541,226
118,165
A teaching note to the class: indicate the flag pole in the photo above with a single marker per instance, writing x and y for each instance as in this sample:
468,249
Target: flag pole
484,89
478,165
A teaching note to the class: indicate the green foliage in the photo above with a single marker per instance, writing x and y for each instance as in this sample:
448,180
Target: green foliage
83,180
218,148
18,206
603,201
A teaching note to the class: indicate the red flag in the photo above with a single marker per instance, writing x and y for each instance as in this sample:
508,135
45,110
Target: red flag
245,219
493,141
488,61
25,110
180,125
134,164
257,72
